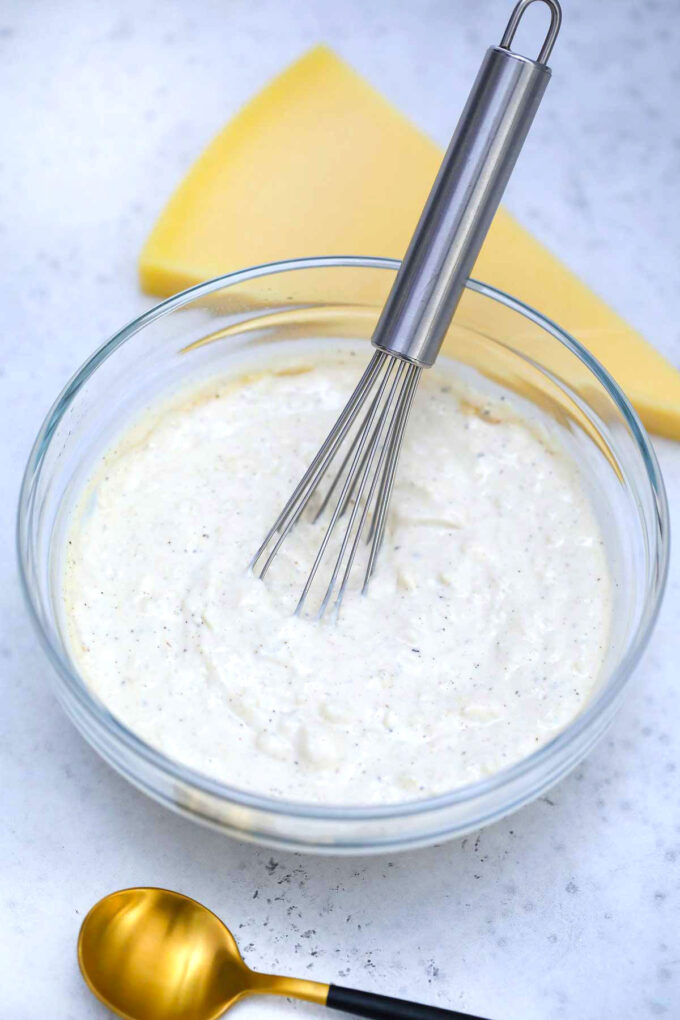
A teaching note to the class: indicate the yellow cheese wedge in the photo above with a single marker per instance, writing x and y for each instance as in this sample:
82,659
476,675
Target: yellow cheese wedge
320,164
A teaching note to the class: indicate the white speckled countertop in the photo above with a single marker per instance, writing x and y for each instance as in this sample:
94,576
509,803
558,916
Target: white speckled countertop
569,909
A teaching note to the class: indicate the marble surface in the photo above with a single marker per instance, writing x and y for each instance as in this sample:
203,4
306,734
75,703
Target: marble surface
569,909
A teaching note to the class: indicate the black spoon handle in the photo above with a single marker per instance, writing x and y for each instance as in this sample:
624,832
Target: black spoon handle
382,1007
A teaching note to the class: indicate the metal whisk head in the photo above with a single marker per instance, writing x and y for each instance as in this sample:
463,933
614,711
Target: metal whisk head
363,481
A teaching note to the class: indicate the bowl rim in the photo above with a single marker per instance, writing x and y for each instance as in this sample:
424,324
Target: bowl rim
595,709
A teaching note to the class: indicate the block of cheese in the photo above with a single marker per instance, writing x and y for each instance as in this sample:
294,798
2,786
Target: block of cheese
319,163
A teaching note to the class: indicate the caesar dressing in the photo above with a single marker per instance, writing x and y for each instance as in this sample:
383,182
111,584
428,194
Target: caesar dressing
481,636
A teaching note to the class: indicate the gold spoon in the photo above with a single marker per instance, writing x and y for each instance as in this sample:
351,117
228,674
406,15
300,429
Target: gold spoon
152,954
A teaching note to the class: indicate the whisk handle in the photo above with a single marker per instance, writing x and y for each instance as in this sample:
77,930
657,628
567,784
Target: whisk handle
466,193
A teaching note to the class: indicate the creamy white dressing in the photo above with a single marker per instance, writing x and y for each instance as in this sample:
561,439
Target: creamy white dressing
481,636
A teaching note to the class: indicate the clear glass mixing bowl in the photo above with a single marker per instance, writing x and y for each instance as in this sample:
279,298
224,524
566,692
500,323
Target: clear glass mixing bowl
499,343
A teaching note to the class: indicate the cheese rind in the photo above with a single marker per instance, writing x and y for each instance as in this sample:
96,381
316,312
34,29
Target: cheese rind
319,163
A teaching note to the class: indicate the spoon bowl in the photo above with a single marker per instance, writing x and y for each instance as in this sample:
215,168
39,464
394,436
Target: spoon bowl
153,954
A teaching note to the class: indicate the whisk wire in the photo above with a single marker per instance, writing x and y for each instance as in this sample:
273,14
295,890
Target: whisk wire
389,474
377,478
363,434
360,478
364,478
345,461
309,481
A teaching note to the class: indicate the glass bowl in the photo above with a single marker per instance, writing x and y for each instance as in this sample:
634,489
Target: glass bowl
501,345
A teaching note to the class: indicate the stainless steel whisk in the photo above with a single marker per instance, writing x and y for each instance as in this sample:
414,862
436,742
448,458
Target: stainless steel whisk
419,310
